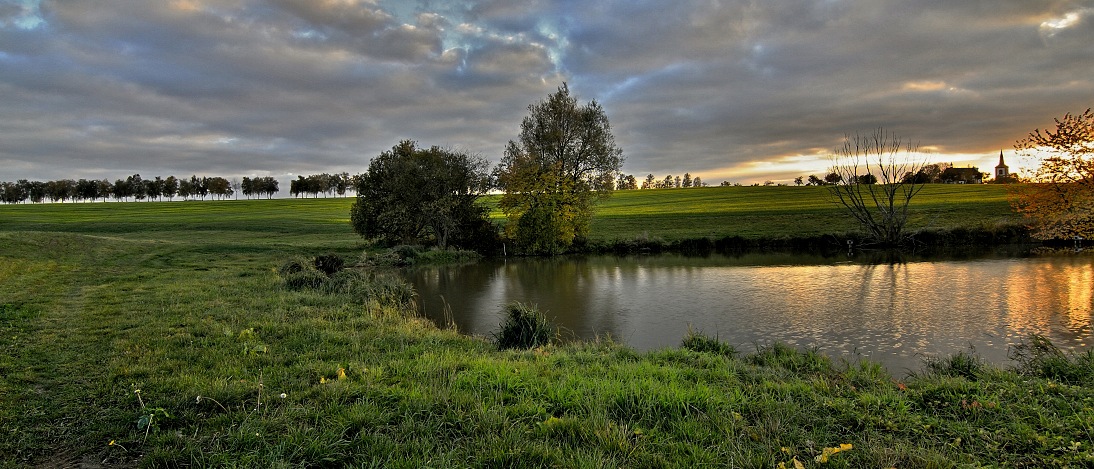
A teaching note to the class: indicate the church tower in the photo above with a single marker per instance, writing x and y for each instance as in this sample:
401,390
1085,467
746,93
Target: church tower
1001,170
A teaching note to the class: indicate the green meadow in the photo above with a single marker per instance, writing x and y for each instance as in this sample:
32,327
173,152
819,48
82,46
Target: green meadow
172,335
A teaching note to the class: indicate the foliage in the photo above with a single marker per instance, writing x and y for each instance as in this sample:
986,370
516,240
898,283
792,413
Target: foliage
869,182
323,381
525,327
565,159
413,194
1060,205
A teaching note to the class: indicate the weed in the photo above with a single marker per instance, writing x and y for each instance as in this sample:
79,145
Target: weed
966,365
696,341
1037,356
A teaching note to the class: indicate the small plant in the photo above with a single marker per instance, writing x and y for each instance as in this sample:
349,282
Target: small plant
309,278
524,327
149,415
696,341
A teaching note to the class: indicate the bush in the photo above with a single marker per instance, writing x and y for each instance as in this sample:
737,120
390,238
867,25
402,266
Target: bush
524,327
696,341
329,263
293,265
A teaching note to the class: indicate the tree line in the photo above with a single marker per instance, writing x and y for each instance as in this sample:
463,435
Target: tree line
136,188
327,184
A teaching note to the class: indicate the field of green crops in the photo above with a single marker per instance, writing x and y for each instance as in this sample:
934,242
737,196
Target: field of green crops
167,335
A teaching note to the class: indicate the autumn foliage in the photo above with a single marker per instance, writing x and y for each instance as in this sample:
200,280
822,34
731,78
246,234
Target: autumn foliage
1060,202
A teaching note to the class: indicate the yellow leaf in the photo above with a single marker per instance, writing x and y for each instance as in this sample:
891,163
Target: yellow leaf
341,373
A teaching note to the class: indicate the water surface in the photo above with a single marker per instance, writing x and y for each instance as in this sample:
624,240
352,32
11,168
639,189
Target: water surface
895,313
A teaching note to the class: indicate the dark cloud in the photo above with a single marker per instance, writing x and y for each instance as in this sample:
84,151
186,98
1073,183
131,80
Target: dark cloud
725,89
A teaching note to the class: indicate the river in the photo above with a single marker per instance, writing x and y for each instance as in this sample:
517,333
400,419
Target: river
895,313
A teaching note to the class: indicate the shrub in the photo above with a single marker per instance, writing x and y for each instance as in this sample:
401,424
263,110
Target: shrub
329,263
696,341
524,327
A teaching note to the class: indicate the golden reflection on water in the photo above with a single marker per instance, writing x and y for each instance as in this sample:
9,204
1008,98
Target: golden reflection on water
895,313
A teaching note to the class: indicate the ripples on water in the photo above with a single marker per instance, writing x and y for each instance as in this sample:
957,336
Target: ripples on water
894,313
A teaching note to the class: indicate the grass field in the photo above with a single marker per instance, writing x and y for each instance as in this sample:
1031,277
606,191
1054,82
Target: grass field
163,335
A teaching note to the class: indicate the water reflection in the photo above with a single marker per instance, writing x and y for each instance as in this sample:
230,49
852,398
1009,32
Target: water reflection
895,313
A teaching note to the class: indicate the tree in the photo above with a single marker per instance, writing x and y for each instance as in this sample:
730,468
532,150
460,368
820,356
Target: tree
411,195
870,169
815,181
1060,201
687,180
550,175
799,180
697,182
650,182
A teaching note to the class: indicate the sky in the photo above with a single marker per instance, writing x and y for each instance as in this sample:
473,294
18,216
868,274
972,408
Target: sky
735,90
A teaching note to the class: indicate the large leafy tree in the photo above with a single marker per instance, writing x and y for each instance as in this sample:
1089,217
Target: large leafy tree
1060,201
412,195
555,171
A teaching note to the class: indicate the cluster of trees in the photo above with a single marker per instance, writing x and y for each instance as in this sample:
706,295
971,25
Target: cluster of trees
934,173
133,187
564,160
326,184
671,182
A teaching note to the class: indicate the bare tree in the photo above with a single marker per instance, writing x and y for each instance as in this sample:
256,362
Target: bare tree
882,208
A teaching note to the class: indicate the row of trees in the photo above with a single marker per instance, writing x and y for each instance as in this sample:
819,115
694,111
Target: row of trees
326,184
132,188
670,182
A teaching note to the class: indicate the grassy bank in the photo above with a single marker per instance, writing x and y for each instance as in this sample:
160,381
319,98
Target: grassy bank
163,335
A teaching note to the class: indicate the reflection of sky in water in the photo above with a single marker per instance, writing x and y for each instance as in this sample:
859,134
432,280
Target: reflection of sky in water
895,314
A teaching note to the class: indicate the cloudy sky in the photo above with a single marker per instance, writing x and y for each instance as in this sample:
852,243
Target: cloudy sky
733,90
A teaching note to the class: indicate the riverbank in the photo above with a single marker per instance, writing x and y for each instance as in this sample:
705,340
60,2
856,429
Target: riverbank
163,335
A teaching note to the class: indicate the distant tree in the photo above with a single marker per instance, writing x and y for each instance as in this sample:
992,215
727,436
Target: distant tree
799,180
769,183
154,188
186,188
833,178
866,179
815,181
36,190
550,174
411,195
650,182
725,184
668,183
268,186
697,182
236,186
881,209
677,182
1060,201
12,193
219,187
687,180
170,187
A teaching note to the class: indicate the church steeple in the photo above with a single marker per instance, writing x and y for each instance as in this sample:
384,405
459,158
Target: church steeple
1001,170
